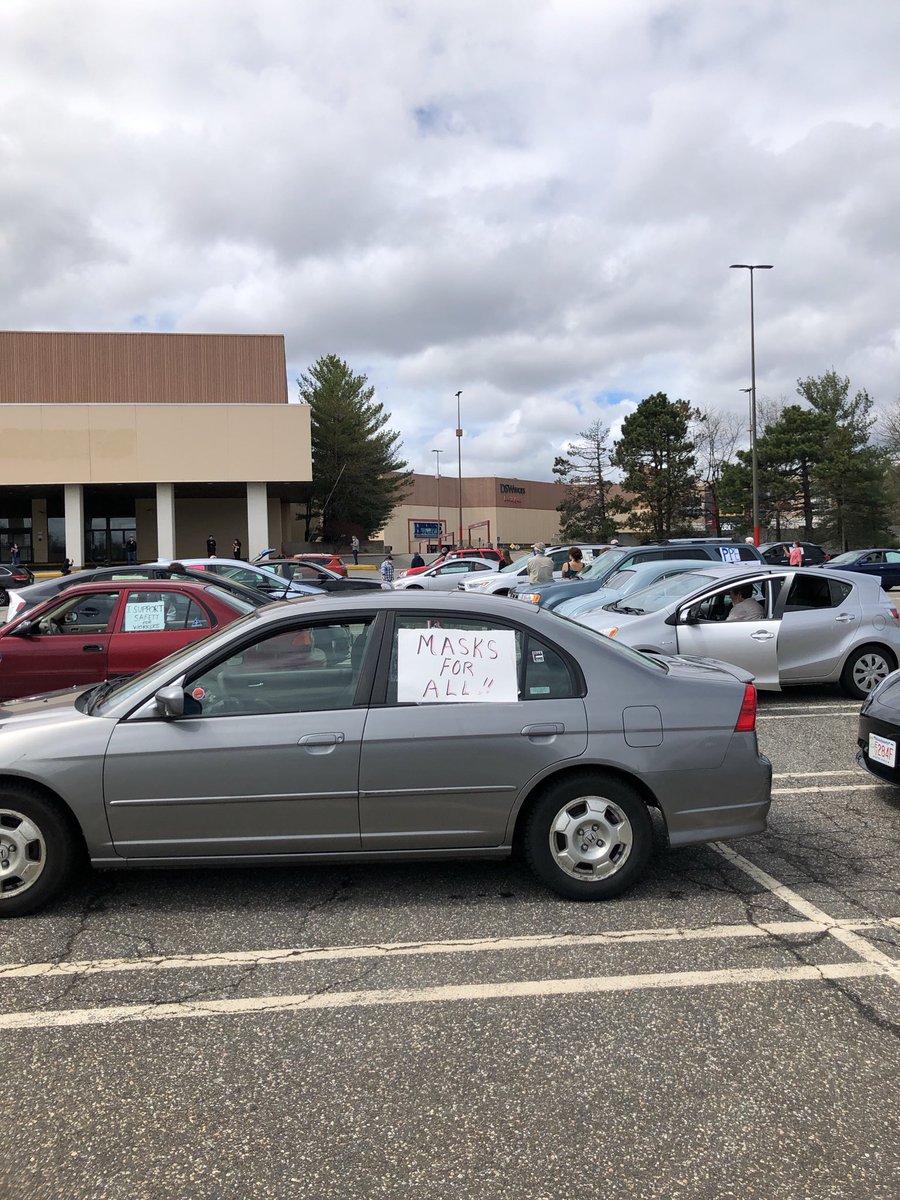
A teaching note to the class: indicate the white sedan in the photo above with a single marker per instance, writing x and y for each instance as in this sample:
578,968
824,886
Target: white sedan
444,577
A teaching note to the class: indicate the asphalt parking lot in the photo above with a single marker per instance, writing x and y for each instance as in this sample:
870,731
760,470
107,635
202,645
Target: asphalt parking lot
727,1029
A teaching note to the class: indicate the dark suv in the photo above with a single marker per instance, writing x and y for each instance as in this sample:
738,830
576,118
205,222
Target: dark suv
701,550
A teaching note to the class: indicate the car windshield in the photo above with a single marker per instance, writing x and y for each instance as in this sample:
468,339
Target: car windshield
516,565
114,692
658,595
602,563
620,579
243,604
848,556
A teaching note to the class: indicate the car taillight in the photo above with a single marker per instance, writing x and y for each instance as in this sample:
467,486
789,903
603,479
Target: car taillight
894,613
746,722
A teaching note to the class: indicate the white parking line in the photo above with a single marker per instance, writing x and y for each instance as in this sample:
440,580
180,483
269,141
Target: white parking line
804,716
291,956
842,787
815,774
847,937
539,988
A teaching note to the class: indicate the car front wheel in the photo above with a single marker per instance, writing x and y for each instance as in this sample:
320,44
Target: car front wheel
588,837
37,851
865,669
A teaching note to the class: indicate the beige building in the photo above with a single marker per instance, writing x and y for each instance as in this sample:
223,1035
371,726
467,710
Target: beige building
166,438
495,511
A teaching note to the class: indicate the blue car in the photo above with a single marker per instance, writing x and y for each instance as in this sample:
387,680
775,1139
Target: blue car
883,563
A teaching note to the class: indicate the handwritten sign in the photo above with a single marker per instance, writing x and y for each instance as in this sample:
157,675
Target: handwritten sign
730,554
145,616
456,666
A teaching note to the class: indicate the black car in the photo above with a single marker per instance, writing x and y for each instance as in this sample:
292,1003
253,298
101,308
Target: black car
776,553
37,593
878,736
318,576
13,576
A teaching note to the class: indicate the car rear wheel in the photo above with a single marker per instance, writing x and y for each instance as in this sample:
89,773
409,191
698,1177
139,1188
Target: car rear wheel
588,837
37,851
865,669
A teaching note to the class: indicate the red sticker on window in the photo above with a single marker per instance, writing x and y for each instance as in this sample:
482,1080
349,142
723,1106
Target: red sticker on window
198,693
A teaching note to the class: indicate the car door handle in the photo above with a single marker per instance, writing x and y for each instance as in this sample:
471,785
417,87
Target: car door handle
92,648
548,730
843,618
321,739
762,635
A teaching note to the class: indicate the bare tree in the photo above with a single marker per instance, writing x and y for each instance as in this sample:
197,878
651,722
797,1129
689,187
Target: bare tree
716,435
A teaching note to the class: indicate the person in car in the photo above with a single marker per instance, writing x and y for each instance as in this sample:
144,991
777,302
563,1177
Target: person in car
539,566
743,606
575,565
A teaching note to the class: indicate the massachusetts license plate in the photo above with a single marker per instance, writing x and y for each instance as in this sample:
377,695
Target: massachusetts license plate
882,750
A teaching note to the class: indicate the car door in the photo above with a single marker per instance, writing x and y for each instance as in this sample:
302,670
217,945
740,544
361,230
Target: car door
447,577
441,768
265,759
151,624
820,621
69,646
703,628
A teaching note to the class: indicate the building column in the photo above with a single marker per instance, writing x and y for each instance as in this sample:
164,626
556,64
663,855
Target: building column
257,519
73,500
40,545
165,520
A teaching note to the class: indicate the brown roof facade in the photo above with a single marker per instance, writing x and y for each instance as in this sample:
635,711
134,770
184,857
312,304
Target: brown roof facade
142,368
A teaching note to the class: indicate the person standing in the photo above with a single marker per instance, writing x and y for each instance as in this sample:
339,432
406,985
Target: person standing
539,566
417,560
236,548
210,547
575,565
14,556
795,557
131,550
387,573
354,549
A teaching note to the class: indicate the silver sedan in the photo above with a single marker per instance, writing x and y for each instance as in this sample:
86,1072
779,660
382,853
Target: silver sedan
445,577
798,625
382,725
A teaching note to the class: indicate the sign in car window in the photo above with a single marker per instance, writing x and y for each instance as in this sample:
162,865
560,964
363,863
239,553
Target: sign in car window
144,616
730,554
446,666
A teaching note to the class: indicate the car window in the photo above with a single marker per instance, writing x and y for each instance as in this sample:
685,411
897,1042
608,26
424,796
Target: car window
154,612
452,659
745,554
80,614
620,579
240,603
892,556
300,571
606,562
808,591
839,592
717,607
311,669
875,557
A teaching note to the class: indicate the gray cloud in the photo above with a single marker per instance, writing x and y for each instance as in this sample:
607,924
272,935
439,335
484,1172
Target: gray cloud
534,202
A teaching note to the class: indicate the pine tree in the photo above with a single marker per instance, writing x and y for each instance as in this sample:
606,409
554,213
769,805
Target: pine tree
657,456
358,476
586,508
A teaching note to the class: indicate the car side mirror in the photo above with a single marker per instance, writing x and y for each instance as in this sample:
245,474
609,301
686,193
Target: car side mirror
25,630
170,700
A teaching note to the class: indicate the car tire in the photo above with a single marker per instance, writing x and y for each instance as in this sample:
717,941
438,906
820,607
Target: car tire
613,821
865,669
415,587
4,598
38,851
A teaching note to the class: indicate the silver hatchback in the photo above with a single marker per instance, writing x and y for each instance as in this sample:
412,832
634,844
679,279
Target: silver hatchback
805,625
386,725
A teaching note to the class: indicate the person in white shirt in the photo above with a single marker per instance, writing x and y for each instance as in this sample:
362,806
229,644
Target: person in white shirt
539,566
743,606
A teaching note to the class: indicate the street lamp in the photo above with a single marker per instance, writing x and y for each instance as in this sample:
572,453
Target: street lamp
459,463
437,458
751,267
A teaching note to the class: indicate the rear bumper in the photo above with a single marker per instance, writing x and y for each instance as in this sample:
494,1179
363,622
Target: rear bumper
723,803
879,770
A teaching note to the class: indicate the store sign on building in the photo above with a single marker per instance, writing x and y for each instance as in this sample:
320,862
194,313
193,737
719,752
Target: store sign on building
511,493
423,530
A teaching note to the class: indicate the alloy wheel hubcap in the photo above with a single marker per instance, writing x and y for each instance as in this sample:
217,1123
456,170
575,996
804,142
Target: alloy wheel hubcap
591,838
23,853
869,671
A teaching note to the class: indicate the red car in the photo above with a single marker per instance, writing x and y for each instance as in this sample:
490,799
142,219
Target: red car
96,631
481,552
332,561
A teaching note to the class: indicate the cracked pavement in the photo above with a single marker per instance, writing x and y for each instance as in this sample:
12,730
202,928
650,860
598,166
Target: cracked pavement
737,1087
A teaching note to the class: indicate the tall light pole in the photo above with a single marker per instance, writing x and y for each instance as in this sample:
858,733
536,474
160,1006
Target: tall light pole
459,463
751,267
437,458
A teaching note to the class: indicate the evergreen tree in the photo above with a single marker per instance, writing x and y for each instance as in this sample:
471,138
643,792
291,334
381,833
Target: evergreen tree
586,508
656,454
358,476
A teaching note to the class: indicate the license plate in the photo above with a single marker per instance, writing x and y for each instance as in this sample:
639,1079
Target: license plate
882,750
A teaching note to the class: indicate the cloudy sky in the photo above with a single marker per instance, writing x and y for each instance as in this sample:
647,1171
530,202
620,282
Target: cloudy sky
533,201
